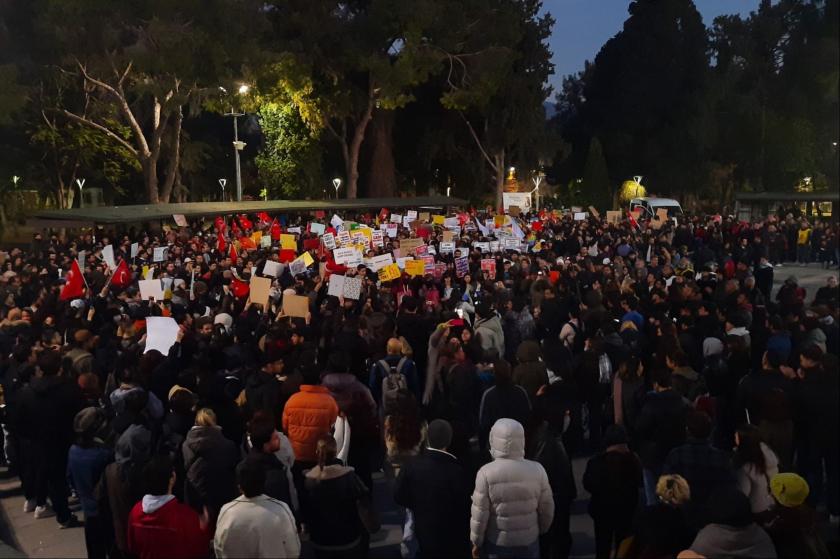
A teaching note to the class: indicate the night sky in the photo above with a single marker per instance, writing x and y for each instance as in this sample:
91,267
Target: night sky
583,26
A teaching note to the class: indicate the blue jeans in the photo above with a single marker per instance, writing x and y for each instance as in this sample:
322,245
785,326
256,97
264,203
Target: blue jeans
493,551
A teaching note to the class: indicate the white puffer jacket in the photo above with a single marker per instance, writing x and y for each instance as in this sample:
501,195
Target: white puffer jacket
512,503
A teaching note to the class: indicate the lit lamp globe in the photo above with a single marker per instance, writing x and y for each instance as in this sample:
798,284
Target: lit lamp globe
630,189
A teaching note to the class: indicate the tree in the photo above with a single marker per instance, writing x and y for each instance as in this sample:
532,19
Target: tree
144,65
289,162
496,80
596,179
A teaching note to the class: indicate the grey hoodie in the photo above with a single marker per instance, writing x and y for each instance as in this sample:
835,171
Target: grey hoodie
491,335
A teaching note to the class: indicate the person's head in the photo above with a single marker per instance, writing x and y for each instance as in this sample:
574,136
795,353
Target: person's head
811,356
831,281
49,362
394,346
502,372
748,448
698,424
661,379
326,450
673,490
263,435
205,417
87,424
729,506
676,359
771,360
439,434
159,475
250,476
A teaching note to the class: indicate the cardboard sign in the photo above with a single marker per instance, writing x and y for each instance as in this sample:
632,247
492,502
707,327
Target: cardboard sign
415,267
288,241
407,246
317,228
260,291
160,254
424,217
329,241
594,212
161,334
272,268
448,236
662,214
514,211
389,272
613,216
150,288
180,220
295,305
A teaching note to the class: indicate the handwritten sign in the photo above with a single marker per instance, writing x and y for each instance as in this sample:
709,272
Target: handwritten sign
389,272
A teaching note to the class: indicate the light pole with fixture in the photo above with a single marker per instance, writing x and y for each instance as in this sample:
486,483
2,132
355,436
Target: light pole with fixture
81,184
237,144
222,183
537,180
336,184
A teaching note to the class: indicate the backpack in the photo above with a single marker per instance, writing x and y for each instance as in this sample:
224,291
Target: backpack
393,381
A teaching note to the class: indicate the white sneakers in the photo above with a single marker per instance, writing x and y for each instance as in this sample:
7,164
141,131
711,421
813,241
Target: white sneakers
44,511
29,505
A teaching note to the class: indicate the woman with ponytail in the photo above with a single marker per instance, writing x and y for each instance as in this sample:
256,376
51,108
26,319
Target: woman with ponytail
331,504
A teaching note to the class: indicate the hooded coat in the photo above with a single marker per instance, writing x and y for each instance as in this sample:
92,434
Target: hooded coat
531,372
491,334
210,462
512,503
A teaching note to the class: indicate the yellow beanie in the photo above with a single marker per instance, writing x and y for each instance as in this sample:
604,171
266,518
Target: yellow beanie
789,489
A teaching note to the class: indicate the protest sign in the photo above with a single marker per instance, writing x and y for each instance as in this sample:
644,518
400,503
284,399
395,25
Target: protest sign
344,238
180,220
462,266
379,262
317,228
396,218
160,254
329,241
260,291
288,241
295,305
448,236
613,216
424,217
272,268
135,248
408,245
438,219
161,334
297,267
389,272
489,265
352,287
108,257
415,267
377,238
265,241
335,288
594,212
344,255
580,216
336,221
447,248
150,288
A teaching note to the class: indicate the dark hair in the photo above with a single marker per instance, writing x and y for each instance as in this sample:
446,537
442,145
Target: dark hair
502,372
157,474
698,424
250,476
49,361
261,429
812,352
749,449
774,358
628,370
632,301
662,377
679,357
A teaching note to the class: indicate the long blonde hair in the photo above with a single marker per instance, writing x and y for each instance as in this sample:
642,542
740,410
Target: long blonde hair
326,450
205,417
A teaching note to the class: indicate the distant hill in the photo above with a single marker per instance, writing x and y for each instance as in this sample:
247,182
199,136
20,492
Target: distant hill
550,111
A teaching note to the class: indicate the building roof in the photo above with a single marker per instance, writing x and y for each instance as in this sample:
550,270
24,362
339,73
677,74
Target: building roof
152,212
826,196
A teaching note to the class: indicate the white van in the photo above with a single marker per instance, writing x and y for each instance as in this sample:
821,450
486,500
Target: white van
650,205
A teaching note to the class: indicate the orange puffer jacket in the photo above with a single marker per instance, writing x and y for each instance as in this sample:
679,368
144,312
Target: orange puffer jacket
307,415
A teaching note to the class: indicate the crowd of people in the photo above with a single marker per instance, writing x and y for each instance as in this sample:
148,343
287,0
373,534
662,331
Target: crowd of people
704,403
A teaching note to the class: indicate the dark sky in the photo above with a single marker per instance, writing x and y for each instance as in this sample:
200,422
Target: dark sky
582,26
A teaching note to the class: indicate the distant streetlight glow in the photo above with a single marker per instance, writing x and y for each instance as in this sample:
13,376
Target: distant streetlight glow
244,89
336,184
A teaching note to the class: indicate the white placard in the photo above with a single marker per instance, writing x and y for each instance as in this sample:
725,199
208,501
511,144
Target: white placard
447,248
401,262
272,268
336,286
451,222
377,238
265,241
150,288
352,288
108,257
336,221
406,222
396,218
344,255
344,238
580,216
161,333
329,241
391,230
160,254
317,228
294,230
381,261
135,248
411,214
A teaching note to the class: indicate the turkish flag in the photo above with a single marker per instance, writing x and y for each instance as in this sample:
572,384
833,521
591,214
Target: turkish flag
233,256
122,275
311,244
286,255
632,219
74,285
247,243
222,244
263,217
245,222
239,288
221,226
276,230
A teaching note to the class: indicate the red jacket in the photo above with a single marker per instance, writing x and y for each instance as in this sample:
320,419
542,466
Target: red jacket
173,531
307,415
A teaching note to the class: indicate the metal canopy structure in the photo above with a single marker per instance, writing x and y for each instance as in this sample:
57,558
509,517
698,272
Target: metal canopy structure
155,212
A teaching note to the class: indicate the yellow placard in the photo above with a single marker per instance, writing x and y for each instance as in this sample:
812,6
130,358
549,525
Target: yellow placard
415,267
307,259
288,242
389,272
257,237
499,220
438,219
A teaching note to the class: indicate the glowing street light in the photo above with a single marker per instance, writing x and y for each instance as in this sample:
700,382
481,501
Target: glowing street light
81,184
336,184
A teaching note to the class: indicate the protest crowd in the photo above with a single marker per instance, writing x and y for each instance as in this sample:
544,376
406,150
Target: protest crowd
233,387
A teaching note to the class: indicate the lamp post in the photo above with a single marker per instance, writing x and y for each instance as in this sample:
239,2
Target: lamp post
336,184
638,180
222,183
237,144
81,184
537,180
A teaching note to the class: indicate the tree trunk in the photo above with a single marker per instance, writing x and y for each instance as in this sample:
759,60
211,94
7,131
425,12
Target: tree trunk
499,169
355,148
174,158
383,178
150,179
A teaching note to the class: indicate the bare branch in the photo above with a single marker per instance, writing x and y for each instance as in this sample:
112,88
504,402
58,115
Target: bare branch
478,143
113,135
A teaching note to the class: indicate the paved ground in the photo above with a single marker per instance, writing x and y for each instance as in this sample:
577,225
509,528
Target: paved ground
811,277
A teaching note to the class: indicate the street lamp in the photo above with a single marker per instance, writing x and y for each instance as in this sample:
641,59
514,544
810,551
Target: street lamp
81,184
222,183
237,144
336,184
537,180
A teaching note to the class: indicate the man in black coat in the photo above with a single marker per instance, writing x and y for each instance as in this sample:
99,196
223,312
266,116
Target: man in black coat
437,490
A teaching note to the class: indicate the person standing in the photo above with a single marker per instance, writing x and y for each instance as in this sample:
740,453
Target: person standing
613,478
435,488
254,524
512,503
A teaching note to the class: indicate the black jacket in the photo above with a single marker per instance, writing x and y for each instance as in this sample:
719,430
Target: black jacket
661,426
437,490
330,505
262,393
613,478
276,478
46,409
210,463
510,401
